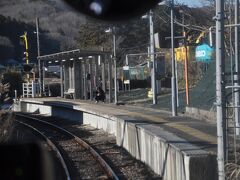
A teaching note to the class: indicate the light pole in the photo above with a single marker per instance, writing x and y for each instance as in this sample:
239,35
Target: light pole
153,69
174,90
113,31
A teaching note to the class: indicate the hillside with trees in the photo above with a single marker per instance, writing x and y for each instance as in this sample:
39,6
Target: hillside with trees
63,29
12,48
58,21
133,36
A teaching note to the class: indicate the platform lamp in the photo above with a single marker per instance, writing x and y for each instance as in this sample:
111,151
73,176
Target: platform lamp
113,31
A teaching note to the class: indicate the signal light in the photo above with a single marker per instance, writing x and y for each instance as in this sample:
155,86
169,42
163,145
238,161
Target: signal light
28,67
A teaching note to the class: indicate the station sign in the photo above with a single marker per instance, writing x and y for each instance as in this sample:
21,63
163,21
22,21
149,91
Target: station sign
125,68
204,53
126,74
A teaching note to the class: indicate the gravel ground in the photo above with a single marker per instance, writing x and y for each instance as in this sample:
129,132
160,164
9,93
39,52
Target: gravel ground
118,158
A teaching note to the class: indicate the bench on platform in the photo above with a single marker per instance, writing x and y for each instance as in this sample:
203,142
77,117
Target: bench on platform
69,93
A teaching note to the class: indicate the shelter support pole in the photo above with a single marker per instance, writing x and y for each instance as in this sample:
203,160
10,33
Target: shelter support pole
103,73
96,71
85,79
91,79
77,78
62,80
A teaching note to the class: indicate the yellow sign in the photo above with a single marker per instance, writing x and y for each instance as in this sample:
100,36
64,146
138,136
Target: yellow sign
150,93
26,46
180,53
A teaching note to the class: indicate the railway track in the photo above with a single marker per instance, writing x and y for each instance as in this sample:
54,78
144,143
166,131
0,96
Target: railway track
51,145
81,159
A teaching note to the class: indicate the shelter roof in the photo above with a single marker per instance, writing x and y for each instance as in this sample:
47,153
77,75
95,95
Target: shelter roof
67,55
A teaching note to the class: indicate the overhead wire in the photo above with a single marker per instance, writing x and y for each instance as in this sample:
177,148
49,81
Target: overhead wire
190,27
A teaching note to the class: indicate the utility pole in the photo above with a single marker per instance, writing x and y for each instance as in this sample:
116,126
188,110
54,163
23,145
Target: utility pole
37,31
185,60
115,65
39,62
153,70
236,74
174,90
220,89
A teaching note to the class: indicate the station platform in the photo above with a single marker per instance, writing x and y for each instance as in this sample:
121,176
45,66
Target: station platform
177,148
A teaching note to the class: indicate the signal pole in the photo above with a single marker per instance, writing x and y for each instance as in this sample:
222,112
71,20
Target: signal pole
24,37
26,46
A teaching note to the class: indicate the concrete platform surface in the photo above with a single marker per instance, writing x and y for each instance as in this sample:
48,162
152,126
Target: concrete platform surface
198,132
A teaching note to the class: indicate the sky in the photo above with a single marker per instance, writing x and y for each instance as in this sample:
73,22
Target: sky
191,3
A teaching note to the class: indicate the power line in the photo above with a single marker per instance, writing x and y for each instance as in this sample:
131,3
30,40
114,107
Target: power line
191,27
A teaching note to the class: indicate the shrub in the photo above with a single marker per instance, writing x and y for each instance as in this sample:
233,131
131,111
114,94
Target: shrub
14,78
6,121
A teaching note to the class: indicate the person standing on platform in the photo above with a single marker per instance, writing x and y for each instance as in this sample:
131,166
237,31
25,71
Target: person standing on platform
99,83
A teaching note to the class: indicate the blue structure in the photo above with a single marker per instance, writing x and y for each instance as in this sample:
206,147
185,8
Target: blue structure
204,53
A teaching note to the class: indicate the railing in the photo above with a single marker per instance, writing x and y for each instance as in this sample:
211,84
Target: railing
31,90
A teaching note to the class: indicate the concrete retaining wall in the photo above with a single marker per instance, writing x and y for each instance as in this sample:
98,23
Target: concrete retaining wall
168,155
99,122
201,114
153,151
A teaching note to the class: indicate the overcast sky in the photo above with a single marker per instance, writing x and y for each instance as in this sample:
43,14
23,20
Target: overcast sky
191,3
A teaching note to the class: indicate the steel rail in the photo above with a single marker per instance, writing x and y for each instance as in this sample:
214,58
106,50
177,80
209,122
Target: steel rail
81,142
51,144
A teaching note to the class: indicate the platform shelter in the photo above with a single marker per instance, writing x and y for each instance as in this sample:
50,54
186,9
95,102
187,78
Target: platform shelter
80,71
